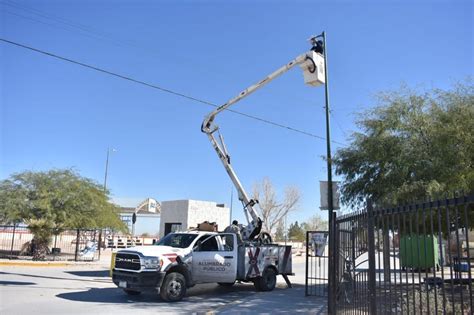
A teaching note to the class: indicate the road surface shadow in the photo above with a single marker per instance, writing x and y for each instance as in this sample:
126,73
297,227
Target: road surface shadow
116,295
241,298
90,273
104,295
16,283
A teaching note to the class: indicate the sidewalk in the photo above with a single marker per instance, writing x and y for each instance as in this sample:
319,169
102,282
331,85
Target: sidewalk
279,301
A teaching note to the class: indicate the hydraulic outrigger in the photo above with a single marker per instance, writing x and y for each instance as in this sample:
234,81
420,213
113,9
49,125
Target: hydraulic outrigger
312,64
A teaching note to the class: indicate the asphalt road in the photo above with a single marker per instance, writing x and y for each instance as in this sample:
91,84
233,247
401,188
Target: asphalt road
88,289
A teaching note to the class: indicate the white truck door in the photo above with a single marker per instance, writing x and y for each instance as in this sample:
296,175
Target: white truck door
215,259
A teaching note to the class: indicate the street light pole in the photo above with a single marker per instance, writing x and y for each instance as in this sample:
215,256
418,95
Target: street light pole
332,267
106,169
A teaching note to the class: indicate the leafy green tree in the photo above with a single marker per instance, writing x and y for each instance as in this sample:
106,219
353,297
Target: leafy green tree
315,223
280,232
296,233
49,202
411,146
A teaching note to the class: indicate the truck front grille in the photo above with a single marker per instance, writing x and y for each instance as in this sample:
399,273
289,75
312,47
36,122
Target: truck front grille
127,261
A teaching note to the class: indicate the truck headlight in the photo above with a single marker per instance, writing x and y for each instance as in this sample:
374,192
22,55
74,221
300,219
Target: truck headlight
152,263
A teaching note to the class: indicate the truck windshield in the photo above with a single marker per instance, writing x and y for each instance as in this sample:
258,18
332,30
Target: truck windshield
177,240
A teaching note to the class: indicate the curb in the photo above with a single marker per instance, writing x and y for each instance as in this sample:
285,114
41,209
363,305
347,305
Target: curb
34,264
29,263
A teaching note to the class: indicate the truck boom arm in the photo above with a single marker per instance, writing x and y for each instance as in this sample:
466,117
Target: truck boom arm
309,65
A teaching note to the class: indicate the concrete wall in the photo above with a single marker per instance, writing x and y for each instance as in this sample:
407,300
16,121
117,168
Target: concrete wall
175,211
200,211
191,212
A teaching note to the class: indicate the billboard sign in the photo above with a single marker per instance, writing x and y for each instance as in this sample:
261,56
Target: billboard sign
319,241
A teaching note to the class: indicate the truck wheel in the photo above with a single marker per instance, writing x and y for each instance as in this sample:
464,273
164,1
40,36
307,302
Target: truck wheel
226,284
174,287
131,292
267,281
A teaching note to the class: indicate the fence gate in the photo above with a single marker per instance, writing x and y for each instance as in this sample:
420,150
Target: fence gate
317,262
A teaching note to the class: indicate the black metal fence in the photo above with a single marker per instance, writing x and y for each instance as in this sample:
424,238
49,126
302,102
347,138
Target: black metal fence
77,244
317,261
411,259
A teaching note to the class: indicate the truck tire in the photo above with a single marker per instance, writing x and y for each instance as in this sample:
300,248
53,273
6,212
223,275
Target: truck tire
173,288
226,284
267,281
131,292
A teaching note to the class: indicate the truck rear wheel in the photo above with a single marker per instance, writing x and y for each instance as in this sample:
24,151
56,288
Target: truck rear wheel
174,287
267,281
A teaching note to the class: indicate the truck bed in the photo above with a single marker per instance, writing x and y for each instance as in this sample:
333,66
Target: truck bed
254,259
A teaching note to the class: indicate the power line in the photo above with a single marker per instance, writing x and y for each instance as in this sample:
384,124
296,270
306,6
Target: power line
84,29
91,32
57,19
94,33
48,24
162,89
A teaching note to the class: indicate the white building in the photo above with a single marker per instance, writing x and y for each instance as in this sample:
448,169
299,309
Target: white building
181,215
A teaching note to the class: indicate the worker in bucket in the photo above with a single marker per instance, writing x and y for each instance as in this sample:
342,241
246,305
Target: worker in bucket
234,228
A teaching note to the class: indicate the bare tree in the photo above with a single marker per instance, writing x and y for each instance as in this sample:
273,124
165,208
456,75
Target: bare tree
272,210
315,223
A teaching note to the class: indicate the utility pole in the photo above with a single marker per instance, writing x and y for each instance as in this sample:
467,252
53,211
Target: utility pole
331,215
107,168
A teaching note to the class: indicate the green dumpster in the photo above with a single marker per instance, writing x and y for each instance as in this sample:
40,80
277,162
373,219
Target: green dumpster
419,251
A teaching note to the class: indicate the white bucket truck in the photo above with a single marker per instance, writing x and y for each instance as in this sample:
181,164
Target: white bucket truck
182,259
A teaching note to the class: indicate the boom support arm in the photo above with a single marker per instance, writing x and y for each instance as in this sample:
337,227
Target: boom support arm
310,63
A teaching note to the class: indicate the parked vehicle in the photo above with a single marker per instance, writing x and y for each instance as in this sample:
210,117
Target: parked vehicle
181,260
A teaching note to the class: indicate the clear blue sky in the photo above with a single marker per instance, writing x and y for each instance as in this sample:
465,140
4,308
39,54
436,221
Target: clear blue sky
59,115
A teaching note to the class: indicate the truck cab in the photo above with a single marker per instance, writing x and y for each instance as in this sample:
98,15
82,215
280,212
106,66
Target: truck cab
189,258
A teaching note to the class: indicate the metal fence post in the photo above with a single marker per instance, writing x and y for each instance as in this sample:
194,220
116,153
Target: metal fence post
306,269
76,253
338,268
386,249
353,245
371,241
13,240
100,242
